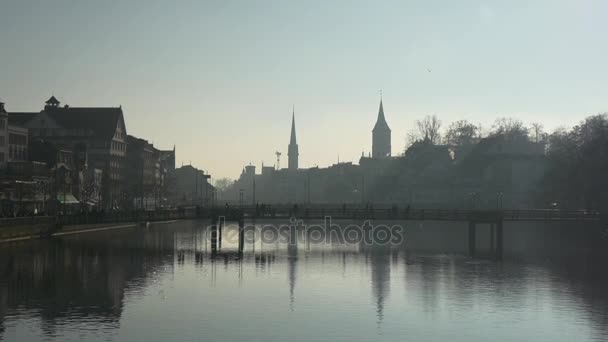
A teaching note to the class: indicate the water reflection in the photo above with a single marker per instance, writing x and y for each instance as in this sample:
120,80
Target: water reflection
169,279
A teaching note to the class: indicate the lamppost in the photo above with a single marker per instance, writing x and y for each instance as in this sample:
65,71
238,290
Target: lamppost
241,196
253,188
195,186
206,185
213,197
308,185
362,188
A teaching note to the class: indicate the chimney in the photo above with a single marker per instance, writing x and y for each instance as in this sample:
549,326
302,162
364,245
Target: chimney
2,110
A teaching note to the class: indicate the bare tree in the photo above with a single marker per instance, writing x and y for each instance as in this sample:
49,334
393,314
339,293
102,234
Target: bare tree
223,183
538,133
429,127
462,132
510,128
410,138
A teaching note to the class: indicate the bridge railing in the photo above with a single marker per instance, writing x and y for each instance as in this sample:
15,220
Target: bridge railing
315,213
26,221
344,212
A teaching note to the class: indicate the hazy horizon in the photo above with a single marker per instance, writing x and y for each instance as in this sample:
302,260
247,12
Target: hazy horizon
218,79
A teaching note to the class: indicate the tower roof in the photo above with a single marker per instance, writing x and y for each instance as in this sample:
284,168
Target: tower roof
292,140
381,121
52,101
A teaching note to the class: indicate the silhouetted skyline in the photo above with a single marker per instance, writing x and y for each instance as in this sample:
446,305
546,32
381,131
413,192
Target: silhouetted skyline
218,79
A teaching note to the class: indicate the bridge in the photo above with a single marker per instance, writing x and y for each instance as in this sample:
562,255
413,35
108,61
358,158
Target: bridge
494,218
413,214
46,226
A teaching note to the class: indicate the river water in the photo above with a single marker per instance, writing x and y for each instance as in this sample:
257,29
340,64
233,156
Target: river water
165,283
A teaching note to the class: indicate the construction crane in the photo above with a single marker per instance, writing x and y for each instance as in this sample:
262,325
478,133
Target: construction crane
278,159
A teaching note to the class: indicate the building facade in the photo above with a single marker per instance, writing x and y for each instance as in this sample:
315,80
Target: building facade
98,132
144,174
17,143
3,134
192,187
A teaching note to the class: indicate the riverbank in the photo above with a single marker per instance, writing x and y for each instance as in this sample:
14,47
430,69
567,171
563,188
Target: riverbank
47,229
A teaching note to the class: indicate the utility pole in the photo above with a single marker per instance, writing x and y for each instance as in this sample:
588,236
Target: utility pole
308,186
362,188
206,185
241,196
195,186
253,197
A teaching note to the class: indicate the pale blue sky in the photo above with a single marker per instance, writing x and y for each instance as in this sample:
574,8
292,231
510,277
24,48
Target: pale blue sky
218,78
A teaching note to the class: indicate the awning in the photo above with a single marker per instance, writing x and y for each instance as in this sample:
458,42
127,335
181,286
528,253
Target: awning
67,199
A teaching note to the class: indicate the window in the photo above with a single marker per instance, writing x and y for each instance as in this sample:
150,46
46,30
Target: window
2,141
17,139
2,123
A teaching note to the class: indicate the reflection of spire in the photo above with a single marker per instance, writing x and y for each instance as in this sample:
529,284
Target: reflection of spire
292,263
381,272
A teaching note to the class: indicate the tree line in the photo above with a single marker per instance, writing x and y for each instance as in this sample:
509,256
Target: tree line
463,132
576,159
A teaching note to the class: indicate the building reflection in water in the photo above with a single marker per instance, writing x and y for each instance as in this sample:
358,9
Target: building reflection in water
80,277
292,264
86,278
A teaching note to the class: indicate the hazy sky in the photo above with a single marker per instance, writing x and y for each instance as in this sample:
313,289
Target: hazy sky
218,78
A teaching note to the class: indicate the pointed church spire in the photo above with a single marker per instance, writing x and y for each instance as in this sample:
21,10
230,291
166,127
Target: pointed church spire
381,121
292,151
292,140
381,135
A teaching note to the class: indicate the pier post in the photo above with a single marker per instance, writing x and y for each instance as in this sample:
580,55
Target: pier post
492,234
220,226
499,240
214,238
472,238
241,235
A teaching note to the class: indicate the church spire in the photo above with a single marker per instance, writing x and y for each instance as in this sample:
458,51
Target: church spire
381,136
292,140
292,150
381,121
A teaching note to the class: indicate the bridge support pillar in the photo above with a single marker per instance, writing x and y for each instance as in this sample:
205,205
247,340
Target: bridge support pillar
499,240
216,233
220,225
213,238
472,238
241,235
492,238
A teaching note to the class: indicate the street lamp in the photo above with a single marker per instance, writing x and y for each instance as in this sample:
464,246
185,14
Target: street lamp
362,188
213,197
241,196
206,184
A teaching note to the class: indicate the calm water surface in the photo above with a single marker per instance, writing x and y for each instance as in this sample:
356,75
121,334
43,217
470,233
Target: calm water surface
164,284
